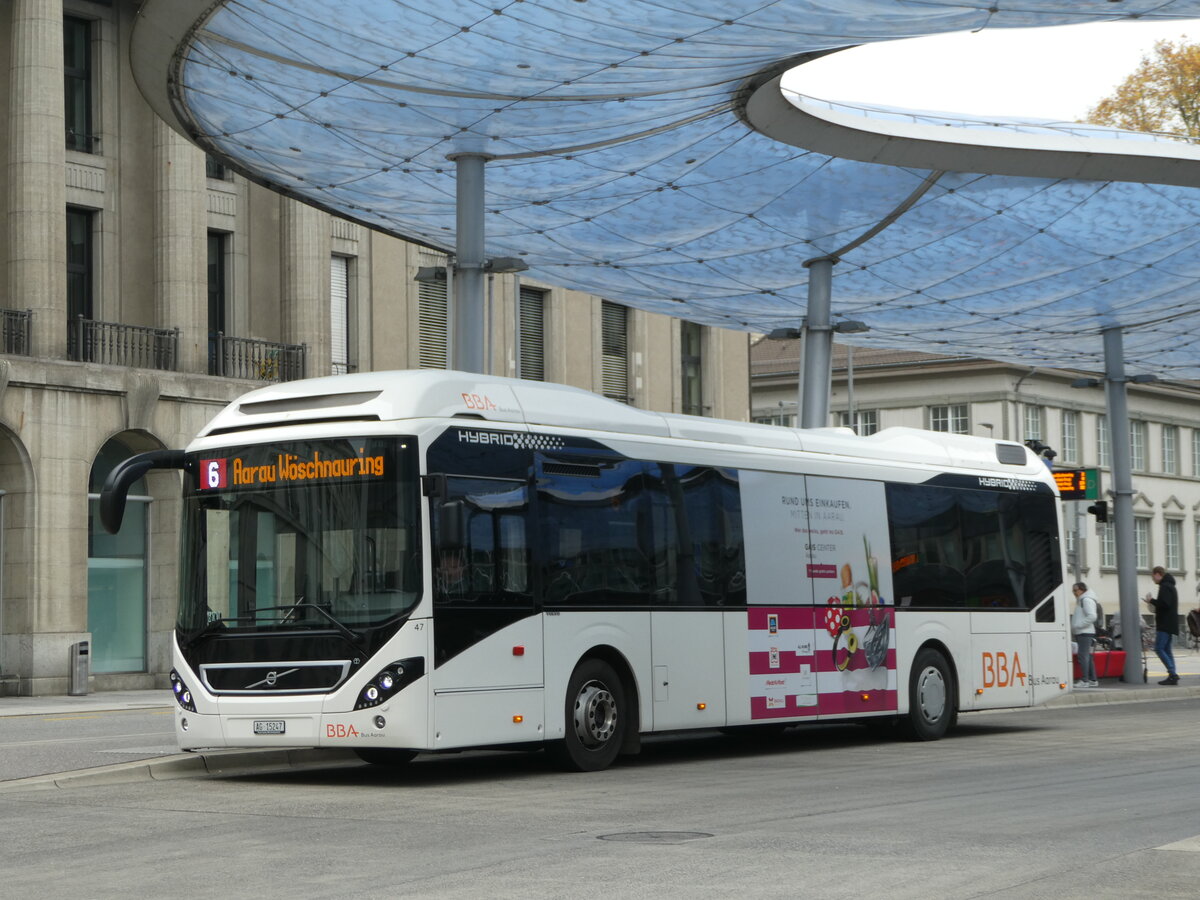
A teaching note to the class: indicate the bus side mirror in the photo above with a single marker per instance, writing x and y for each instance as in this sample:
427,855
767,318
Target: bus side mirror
123,476
451,525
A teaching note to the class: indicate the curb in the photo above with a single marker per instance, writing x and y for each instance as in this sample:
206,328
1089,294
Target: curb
223,763
1124,694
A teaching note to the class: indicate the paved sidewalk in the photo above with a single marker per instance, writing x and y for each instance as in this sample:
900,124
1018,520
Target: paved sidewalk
102,701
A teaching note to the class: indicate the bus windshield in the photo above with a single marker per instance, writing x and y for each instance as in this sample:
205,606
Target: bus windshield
303,535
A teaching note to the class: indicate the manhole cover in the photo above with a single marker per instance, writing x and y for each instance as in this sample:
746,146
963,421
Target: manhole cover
656,837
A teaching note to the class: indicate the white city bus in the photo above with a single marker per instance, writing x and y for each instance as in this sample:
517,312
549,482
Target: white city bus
428,560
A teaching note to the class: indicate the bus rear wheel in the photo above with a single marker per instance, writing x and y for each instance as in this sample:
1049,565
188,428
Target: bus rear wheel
595,719
386,757
931,697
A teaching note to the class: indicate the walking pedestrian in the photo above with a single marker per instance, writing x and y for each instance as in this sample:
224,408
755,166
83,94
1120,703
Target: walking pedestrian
1166,620
1083,631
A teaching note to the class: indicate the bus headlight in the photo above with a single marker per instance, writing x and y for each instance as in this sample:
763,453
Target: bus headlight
183,696
388,682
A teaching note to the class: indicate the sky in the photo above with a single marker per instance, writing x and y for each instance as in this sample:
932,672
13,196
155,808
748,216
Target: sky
1042,73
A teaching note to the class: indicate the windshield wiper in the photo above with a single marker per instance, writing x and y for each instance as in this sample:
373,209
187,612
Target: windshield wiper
209,628
351,636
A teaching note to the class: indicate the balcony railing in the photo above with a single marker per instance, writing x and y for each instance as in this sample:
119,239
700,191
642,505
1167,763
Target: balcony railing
255,360
115,344
16,331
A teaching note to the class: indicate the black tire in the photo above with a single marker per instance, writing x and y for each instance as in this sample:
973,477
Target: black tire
932,697
595,719
386,757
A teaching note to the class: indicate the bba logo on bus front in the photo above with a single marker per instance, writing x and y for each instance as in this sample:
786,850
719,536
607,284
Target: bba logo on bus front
214,474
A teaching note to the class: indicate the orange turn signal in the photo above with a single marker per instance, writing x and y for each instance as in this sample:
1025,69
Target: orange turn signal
518,719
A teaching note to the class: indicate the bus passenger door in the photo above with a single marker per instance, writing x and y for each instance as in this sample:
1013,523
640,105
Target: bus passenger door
700,570
487,670
688,658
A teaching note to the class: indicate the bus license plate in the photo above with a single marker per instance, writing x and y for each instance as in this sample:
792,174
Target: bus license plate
269,726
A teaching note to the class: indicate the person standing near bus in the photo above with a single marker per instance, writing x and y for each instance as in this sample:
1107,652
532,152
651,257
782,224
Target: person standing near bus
1166,620
1083,632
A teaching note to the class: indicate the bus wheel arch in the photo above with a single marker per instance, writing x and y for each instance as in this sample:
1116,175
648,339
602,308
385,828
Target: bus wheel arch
932,693
601,712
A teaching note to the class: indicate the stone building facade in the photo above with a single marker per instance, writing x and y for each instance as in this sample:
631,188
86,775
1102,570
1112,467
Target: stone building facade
145,287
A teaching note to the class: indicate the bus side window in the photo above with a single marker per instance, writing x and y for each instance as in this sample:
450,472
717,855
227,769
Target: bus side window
601,525
487,560
712,528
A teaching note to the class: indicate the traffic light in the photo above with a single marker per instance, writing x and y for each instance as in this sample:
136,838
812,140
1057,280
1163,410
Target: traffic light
1099,510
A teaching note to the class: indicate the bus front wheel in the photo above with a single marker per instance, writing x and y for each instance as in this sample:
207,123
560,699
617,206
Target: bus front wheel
931,697
595,719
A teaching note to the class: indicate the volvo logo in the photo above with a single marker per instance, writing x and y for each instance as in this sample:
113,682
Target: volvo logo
270,680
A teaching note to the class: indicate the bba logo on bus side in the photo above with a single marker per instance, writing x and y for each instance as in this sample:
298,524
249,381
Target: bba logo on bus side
214,473
1000,672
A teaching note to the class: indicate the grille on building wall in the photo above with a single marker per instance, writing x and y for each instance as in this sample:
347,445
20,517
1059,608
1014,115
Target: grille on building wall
614,351
255,360
16,331
117,344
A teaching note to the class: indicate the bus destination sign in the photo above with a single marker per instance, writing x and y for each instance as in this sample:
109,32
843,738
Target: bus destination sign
217,474
1078,484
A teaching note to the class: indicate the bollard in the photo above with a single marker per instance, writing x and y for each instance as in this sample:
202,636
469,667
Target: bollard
77,669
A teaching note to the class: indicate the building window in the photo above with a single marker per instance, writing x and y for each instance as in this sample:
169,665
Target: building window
1069,445
218,298
339,315
949,418
787,420
692,367
531,339
80,277
1173,545
1196,452
1073,545
1197,536
1170,450
1033,423
214,168
1108,546
866,421
77,84
431,315
1141,542
1103,445
614,351
1137,446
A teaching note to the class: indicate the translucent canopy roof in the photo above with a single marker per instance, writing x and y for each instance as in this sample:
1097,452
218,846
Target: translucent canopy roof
644,151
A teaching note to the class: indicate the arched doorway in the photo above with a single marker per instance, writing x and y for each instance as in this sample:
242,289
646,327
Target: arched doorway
117,572
16,497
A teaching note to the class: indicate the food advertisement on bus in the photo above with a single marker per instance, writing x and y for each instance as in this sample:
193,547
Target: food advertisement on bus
820,628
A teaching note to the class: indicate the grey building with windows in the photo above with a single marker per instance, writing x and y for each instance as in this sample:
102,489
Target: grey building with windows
875,389
146,286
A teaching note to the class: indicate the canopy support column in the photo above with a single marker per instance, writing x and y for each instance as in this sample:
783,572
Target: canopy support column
1118,429
467,315
816,376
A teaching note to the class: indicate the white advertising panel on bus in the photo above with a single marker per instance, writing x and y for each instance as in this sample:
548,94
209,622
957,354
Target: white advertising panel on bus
820,628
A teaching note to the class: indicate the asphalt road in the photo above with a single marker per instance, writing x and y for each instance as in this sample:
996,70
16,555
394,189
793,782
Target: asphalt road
1095,801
